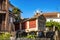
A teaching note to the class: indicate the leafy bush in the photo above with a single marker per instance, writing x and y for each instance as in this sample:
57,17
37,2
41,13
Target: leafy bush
29,36
4,36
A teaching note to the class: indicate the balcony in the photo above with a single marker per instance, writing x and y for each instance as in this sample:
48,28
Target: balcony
2,11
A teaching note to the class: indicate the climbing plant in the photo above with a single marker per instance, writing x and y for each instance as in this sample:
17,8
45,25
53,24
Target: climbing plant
52,23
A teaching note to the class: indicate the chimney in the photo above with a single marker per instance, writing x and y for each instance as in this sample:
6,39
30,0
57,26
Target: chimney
37,12
58,15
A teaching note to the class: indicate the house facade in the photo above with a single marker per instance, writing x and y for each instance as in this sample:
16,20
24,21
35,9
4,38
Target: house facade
3,14
36,23
6,16
55,16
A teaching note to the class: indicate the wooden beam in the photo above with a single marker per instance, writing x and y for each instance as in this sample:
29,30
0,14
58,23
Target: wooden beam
7,16
10,5
2,11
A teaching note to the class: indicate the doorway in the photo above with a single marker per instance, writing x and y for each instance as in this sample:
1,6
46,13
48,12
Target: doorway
17,26
2,21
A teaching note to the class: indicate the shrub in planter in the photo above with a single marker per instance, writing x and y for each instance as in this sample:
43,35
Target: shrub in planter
31,36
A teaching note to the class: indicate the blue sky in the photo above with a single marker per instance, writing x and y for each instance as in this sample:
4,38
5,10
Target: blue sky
29,6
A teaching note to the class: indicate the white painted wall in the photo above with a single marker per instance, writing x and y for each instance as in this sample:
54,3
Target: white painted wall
58,15
36,24
54,19
12,19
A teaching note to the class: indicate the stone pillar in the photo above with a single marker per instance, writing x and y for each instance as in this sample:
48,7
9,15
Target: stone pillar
28,25
53,28
20,25
20,20
37,26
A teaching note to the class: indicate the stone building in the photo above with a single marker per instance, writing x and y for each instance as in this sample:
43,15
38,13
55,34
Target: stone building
34,24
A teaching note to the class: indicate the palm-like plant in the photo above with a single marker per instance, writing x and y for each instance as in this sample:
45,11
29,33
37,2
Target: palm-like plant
16,12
